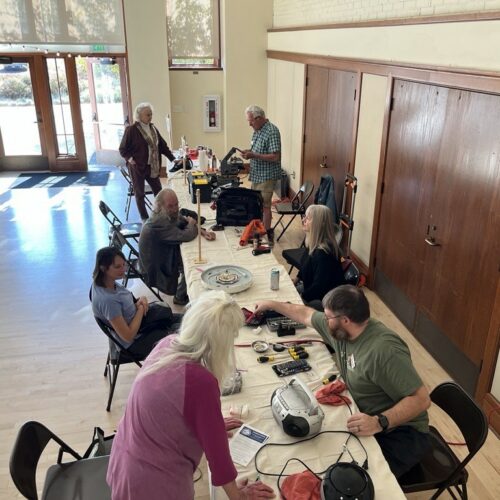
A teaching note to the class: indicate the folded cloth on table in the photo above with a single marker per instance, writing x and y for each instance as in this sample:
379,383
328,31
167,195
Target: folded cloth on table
301,486
330,394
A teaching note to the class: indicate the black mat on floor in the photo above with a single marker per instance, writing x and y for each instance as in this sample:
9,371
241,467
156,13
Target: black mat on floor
60,179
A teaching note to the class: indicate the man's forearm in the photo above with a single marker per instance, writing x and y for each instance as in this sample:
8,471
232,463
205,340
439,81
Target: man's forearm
408,408
297,312
272,157
401,413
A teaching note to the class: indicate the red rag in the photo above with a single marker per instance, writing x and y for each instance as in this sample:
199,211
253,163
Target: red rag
329,395
301,486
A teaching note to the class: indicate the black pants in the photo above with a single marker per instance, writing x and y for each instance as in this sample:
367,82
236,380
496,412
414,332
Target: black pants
153,329
139,174
403,447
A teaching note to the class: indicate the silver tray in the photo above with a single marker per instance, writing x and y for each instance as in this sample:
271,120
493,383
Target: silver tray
230,278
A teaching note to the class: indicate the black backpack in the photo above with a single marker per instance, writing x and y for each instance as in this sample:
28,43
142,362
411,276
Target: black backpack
238,206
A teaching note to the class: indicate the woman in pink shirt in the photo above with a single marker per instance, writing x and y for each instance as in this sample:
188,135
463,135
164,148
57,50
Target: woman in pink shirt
173,412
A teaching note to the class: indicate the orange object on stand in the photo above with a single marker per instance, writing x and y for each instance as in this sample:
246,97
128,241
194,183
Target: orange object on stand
254,226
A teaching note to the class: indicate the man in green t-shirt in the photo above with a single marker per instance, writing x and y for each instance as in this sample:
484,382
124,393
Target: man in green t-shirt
376,366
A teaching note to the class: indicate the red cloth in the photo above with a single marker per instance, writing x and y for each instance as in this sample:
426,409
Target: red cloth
329,395
302,486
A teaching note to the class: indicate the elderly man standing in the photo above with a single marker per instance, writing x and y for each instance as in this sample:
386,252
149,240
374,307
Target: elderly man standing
264,156
159,245
142,147
376,366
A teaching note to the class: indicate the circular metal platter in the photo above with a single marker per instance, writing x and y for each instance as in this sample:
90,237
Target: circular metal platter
231,279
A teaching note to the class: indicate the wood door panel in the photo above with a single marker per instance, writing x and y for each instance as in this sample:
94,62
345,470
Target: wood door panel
442,184
339,118
330,108
461,274
408,183
315,122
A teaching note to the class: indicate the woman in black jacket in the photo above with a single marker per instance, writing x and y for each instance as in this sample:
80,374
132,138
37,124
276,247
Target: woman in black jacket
321,269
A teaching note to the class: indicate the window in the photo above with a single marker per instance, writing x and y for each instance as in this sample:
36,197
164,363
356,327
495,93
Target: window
193,33
62,24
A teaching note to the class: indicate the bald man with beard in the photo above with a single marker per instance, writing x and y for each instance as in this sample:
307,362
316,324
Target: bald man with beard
159,245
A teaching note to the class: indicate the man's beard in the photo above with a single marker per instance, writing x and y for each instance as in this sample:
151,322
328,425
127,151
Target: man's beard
339,333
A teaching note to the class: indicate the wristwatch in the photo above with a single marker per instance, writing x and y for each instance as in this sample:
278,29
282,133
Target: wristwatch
383,422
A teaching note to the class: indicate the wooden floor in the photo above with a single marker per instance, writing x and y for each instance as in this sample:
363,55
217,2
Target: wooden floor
52,355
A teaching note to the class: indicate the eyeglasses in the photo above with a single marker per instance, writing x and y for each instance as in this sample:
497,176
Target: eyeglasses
333,317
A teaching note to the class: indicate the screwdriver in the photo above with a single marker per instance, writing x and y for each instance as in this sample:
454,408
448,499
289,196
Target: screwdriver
329,379
268,359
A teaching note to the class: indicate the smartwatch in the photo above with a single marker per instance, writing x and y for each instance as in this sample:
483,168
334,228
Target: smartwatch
383,422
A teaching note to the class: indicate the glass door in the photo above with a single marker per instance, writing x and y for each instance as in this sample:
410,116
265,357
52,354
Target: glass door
21,132
68,144
104,104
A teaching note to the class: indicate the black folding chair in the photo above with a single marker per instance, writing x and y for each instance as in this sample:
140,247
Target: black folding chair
118,355
82,478
128,230
133,263
441,469
295,207
130,192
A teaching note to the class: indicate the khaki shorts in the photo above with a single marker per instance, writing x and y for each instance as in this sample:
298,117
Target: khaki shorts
266,189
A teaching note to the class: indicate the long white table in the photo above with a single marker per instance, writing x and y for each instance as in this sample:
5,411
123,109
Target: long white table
259,380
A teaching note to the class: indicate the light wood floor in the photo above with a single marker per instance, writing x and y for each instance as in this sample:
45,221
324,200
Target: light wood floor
52,354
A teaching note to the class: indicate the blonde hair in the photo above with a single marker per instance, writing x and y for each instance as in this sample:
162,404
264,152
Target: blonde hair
207,335
322,230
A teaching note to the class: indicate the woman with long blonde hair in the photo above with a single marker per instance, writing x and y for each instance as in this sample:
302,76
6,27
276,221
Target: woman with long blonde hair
321,269
173,412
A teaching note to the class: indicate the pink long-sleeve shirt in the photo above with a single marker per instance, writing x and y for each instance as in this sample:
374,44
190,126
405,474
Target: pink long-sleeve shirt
172,416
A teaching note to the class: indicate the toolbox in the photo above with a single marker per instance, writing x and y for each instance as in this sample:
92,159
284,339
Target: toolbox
198,180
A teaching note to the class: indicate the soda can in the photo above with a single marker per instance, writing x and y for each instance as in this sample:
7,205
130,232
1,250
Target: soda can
275,279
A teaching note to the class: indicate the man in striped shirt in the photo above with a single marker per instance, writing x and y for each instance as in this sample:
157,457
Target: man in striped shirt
264,156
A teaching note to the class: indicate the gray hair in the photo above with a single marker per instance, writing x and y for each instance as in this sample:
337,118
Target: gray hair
158,210
140,107
206,336
255,111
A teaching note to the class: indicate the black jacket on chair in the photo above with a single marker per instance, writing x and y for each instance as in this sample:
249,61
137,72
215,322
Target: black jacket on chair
325,195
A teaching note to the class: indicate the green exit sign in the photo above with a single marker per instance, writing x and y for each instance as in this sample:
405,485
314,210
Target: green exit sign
98,48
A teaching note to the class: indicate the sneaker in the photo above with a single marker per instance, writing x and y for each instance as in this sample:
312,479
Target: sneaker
180,302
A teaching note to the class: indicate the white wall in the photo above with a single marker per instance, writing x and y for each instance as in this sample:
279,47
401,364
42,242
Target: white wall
369,142
286,109
245,25
461,45
495,388
146,38
311,12
187,89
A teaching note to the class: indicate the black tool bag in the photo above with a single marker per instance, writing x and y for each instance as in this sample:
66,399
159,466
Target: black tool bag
238,206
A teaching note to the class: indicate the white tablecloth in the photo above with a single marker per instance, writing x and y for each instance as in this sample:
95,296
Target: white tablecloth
259,380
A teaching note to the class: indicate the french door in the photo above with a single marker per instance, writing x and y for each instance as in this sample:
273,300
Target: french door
106,111
45,104
22,135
